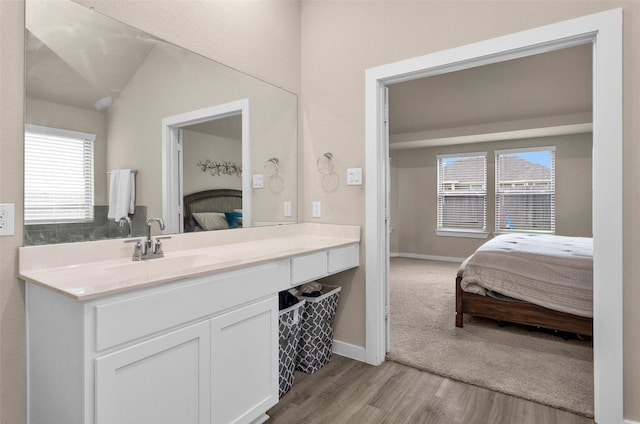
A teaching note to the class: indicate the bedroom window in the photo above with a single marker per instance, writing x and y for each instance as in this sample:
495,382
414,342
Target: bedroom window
58,176
525,190
462,194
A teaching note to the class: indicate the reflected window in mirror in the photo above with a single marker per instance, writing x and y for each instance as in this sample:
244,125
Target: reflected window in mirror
58,176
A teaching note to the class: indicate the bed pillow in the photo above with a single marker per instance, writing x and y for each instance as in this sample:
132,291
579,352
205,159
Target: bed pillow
211,220
234,219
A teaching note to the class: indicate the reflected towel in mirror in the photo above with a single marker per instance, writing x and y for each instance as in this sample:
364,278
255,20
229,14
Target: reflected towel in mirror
122,192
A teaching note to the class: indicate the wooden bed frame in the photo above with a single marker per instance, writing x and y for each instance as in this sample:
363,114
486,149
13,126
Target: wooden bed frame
518,312
218,200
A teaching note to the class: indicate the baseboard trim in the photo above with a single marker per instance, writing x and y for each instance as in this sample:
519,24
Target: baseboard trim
350,351
630,422
428,257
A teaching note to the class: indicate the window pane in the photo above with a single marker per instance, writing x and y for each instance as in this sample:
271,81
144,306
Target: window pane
463,212
526,212
463,173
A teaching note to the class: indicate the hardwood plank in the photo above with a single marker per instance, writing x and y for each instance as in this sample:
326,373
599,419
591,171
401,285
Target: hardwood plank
351,392
409,396
368,414
464,403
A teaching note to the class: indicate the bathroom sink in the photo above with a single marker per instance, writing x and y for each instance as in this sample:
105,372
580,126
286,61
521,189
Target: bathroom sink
162,266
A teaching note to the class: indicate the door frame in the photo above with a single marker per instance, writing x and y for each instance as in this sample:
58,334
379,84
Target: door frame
604,32
172,207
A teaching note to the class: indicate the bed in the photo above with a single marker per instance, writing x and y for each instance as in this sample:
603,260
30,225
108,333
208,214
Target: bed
539,280
212,210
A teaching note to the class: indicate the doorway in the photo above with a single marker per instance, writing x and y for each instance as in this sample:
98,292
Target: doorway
172,158
604,32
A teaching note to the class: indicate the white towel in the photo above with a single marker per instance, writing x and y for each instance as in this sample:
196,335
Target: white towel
122,192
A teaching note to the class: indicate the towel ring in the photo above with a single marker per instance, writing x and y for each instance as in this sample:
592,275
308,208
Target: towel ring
271,167
325,164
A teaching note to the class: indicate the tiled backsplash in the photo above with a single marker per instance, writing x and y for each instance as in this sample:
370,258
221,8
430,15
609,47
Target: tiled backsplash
100,228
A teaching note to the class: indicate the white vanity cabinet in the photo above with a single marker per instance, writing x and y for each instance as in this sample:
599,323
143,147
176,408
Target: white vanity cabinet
217,371
161,341
200,350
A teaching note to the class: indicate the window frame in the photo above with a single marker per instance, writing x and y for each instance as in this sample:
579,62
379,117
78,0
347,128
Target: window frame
498,191
482,192
87,203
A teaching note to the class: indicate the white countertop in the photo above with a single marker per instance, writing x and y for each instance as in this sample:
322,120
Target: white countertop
89,270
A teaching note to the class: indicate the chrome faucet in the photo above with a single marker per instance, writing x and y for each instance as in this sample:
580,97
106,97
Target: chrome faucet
148,245
149,248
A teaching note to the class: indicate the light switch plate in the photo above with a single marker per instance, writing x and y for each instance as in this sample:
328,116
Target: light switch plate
354,176
258,181
7,219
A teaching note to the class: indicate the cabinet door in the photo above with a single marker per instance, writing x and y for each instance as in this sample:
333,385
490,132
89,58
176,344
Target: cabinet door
163,380
244,364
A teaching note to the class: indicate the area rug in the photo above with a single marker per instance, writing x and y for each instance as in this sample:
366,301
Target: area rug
534,365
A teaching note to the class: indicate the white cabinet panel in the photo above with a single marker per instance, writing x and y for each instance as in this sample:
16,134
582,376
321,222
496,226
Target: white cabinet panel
244,362
163,380
308,267
343,258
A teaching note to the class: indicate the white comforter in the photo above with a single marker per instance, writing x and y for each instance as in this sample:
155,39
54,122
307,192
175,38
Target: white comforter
551,271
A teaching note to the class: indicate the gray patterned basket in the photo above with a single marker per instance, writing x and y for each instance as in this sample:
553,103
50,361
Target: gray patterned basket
316,328
289,337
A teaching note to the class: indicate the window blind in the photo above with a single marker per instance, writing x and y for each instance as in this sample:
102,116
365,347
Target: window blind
462,192
58,182
525,190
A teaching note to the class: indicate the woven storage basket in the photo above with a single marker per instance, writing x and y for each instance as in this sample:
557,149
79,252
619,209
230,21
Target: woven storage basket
316,328
289,335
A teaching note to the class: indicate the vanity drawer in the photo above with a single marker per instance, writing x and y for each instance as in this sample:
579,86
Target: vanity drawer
138,315
343,258
308,267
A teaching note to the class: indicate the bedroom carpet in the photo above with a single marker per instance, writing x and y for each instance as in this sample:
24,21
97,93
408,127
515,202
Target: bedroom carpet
533,365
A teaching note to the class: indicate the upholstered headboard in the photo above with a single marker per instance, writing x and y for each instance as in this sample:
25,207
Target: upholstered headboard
220,200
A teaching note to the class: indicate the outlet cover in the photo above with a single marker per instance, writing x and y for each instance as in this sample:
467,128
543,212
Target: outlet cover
7,219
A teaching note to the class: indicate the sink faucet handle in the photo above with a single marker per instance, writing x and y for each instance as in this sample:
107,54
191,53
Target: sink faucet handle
157,248
133,241
137,253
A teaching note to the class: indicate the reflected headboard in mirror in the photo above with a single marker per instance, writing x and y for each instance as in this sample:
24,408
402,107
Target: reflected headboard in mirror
89,73
219,201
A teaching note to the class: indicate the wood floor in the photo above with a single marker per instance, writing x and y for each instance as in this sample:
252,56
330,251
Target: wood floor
348,391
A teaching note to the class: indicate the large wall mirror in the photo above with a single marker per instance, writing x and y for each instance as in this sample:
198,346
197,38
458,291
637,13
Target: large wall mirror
112,111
